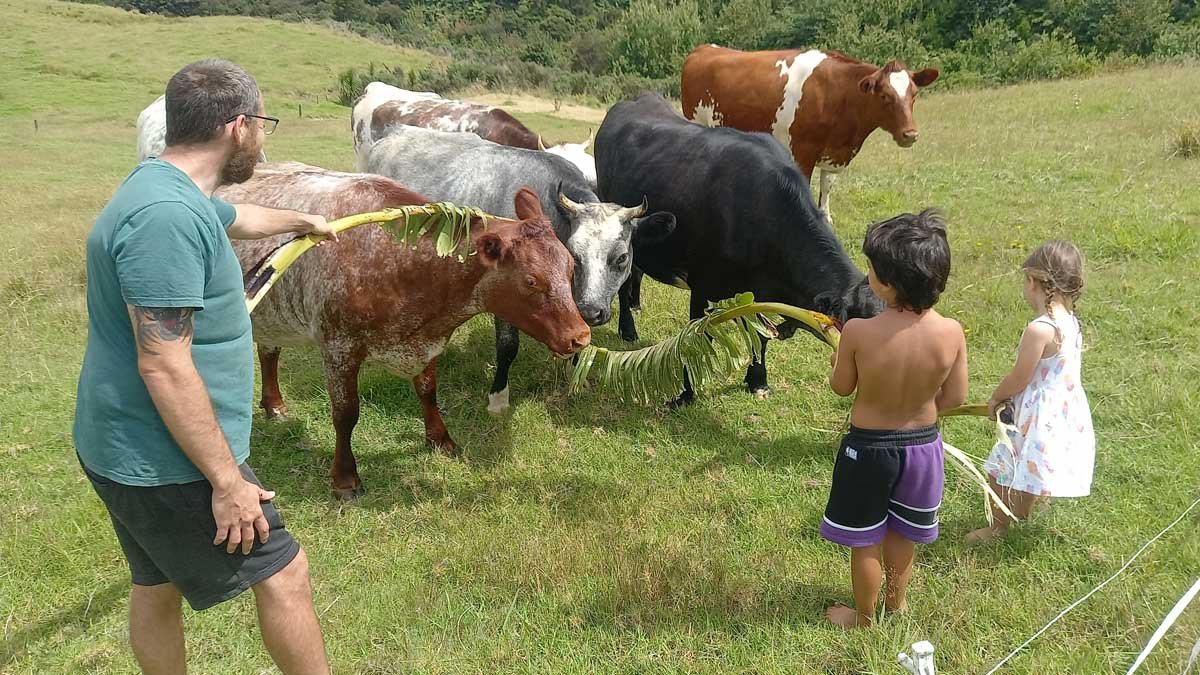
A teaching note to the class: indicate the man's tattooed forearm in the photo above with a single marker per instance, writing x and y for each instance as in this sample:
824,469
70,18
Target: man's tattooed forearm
156,325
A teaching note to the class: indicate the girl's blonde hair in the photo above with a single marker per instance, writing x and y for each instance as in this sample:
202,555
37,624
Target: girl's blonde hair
1057,266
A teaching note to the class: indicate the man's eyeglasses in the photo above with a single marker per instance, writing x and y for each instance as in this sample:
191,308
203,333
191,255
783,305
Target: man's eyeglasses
269,123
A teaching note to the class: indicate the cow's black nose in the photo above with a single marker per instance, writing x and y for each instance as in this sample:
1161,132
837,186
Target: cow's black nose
595,316
911,136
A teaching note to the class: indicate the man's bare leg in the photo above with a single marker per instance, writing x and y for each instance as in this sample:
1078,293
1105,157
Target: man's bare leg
289,622
156,629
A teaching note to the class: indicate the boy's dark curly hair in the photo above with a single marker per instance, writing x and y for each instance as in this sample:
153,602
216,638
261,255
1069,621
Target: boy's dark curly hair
910,253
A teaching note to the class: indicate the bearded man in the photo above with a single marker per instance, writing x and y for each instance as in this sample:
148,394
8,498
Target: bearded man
162,417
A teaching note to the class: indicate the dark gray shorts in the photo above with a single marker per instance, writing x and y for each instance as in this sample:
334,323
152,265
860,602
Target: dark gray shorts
166,532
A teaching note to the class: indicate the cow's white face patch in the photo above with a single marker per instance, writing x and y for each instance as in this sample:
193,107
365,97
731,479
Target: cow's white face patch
796,75
598,241
900,82
576,153
707,114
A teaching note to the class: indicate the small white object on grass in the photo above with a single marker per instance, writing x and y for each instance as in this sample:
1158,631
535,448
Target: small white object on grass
923,665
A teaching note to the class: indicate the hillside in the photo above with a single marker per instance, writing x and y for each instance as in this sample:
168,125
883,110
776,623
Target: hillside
586,535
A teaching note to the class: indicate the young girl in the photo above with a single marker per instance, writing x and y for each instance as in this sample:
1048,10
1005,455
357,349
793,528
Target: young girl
1052,447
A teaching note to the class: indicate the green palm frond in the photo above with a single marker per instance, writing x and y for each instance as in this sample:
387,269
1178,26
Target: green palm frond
448,225
711,347
722,341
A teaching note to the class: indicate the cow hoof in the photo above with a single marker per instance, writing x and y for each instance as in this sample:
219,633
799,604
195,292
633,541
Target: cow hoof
447,447
348,494
276,412
684,399
762,393
498,402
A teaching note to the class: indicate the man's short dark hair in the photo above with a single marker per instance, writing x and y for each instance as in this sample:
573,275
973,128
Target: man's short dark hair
910,253
203,95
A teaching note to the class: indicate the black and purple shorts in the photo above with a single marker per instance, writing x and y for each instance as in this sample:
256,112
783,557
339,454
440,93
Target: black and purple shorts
885,480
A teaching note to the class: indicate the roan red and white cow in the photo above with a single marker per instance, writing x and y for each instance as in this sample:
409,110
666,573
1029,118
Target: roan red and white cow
367,296
820,105
383,106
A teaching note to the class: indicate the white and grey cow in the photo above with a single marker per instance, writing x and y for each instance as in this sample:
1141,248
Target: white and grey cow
465,169
152,131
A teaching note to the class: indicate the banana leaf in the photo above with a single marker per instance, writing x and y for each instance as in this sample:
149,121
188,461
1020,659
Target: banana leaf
447,224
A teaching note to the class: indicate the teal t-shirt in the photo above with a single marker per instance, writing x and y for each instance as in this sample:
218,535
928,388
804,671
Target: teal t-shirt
160,242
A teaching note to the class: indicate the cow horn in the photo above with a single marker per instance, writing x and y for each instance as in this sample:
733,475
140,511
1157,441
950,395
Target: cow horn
565,201
631,212
541,145
591,137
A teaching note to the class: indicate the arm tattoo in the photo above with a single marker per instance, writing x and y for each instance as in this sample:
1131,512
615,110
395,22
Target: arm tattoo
156,325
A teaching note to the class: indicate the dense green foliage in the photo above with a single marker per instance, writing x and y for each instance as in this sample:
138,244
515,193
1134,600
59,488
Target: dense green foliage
608,48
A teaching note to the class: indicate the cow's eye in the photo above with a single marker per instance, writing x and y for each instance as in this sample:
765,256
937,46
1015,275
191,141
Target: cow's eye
622,260
530,282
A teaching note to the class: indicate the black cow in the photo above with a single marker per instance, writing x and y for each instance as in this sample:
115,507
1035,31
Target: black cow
745,220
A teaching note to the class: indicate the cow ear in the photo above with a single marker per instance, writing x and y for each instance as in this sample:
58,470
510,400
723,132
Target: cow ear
492,249
926,77
653,228
527,204
867,84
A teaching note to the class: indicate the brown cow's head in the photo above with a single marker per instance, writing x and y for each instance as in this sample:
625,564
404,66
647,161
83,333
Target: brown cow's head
529,284
893,89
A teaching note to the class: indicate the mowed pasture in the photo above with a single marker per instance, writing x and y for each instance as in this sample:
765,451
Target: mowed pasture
583,534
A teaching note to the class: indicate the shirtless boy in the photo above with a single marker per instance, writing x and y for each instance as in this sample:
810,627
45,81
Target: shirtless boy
906,364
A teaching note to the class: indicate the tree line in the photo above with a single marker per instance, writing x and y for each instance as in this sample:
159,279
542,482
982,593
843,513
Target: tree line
612,49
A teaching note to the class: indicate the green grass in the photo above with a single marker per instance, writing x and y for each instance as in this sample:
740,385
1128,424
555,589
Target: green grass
586,535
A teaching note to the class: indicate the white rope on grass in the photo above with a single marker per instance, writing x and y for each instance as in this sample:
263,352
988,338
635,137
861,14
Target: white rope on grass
1167,622
1192,660
1092,592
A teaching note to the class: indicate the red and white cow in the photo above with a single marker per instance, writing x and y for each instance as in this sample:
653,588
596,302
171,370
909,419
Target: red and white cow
367,296
383,106
820,105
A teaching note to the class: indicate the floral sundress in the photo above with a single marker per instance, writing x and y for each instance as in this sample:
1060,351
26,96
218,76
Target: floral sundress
1053,446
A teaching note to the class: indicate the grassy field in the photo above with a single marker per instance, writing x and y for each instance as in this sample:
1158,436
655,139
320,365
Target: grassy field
581,534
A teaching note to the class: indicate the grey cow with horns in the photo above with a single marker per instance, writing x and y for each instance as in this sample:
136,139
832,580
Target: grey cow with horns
465,169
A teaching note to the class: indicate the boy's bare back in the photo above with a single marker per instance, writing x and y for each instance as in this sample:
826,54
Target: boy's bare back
906,366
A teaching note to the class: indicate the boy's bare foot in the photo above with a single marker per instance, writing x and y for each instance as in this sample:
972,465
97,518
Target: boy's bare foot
985,534
846,617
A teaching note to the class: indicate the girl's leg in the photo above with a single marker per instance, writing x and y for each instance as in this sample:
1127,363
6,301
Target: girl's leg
1020,503
866,572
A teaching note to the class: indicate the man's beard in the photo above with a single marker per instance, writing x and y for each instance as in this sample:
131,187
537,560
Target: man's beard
240,165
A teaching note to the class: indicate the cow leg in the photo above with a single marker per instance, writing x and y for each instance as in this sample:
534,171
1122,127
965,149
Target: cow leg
341,377
756,374
435,429
828,178
635,288
272,399
626,326
508,341
696,308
